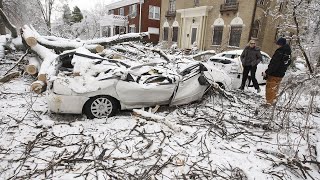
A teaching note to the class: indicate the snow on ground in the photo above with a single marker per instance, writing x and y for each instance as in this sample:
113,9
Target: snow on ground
220,139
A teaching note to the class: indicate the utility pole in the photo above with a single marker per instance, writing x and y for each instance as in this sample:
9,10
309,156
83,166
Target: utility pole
252,19
140,1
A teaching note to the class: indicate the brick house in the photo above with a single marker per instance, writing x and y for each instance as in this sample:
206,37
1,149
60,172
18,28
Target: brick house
124,17
218,25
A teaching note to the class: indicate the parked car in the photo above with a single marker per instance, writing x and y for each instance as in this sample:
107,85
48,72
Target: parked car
230,62
104,87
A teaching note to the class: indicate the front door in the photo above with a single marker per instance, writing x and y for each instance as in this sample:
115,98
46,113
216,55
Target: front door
193,35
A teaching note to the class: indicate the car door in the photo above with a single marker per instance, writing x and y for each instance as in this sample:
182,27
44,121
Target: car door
231,66
262,67
142,94
189,88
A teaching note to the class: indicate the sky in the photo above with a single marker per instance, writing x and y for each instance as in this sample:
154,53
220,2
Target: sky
88,4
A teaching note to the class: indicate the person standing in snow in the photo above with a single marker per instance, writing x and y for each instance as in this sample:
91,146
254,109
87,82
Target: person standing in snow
250,58
277,69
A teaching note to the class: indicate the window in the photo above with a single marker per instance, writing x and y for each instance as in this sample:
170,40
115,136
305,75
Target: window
121,11
231,1
217,35
231,56
165,33
122,30
255,29
133,10
172,5
222,61
260,2
235,36
153,30
175,31
154,12
111,12
193,35
196,2
132,29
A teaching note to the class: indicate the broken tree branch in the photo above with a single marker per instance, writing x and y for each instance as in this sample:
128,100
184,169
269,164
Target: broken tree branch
21,58
9,77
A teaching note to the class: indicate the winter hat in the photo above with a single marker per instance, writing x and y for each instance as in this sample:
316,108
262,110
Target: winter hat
281,41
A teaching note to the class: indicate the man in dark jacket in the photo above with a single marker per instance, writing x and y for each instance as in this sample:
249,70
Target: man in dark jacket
277,69
250,58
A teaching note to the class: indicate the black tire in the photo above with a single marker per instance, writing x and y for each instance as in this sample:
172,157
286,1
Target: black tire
101,106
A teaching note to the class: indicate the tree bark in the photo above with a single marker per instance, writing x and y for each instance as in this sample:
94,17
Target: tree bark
32,37
8,77
8,24
298,38
2,25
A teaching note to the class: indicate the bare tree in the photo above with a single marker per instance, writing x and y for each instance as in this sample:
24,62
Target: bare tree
2,26
300,19
46,8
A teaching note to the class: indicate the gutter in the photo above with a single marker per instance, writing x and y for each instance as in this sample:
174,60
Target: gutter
252,19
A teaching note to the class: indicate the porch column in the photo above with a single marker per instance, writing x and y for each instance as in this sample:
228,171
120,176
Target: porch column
201,33
184,37
112,30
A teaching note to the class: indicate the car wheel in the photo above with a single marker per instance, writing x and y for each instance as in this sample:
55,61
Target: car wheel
101,106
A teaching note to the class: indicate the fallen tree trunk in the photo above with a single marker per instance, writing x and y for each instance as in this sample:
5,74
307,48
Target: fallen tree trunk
34,65
94,45
41,45
47,69
38,87
119,39
29,36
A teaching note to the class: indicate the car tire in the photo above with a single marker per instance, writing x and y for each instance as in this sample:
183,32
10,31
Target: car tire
101,106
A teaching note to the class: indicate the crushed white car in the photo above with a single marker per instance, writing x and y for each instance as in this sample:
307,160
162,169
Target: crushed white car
101,87
230,62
